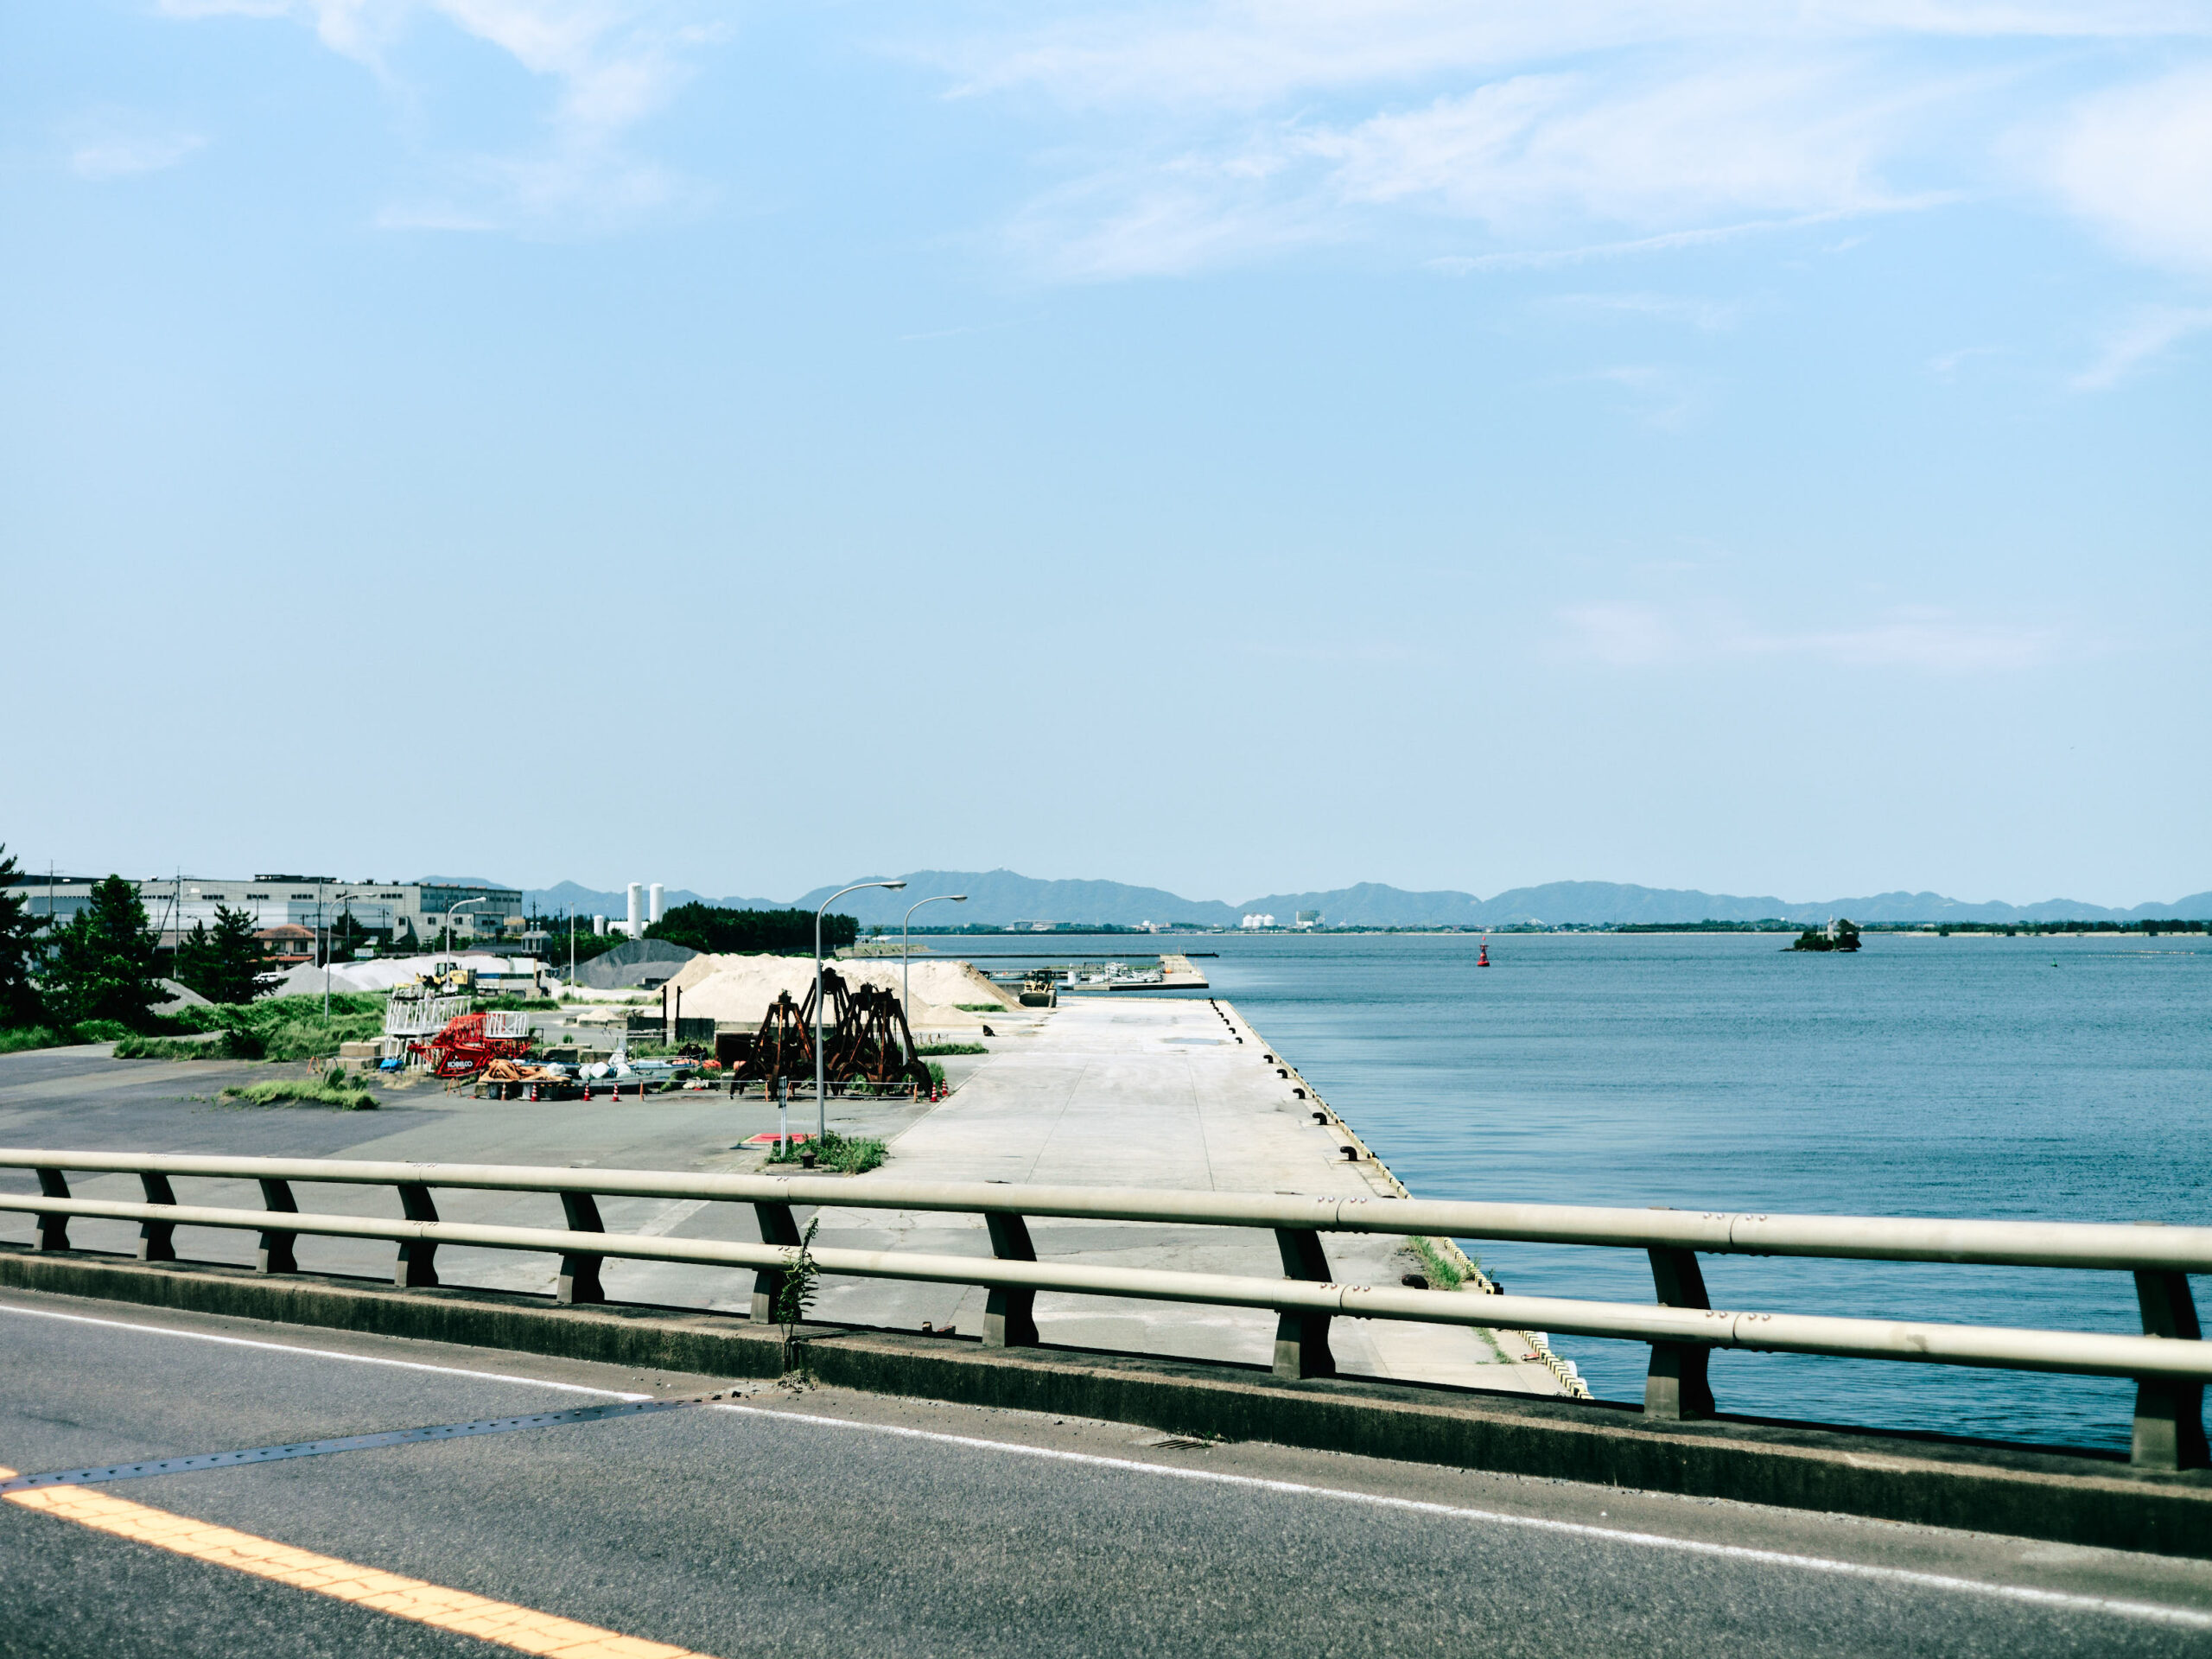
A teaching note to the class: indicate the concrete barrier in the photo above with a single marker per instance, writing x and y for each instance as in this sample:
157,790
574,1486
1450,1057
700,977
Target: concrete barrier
2084,1498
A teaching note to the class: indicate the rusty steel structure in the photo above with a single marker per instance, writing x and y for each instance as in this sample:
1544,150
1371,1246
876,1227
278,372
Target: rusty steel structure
866,1041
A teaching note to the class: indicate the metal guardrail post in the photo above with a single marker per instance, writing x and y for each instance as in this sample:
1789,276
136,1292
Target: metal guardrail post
1302,1338
418,1257
777,1227
157,1239
1009,1315
579,1274
277,1248
53,1231
1675,1390
2169,1413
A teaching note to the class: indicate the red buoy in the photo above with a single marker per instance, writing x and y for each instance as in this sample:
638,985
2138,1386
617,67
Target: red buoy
1483,961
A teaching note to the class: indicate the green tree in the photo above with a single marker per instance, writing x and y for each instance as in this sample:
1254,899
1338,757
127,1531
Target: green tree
228,964
710,927
19,998
347,935
104,966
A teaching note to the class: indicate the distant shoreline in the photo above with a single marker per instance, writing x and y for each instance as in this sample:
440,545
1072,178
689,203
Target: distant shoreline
1652,929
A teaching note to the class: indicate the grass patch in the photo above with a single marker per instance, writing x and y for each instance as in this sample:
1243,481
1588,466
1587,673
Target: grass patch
1444,1273
515,1004
18,1038
982,1007
835,1151
217,1047
311,1090
292,1027
952,1048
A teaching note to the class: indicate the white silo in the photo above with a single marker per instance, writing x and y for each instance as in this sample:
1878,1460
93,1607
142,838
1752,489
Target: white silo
656,901
637,908
599,925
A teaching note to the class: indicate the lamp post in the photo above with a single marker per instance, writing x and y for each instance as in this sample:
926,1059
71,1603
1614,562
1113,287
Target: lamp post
322,920
463,904
906,991
821,1088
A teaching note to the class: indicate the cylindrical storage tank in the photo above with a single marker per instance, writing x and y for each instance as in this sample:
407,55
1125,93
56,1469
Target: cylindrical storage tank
599,924
656,901
637,908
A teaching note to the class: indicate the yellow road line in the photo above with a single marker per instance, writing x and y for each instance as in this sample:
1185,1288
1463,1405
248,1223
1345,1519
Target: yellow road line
524,1628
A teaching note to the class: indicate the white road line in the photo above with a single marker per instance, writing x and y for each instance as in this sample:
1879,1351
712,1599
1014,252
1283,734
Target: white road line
2055,1598
320,1353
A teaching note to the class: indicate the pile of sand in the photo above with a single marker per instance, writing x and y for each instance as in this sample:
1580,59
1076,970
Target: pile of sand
737,990
382,972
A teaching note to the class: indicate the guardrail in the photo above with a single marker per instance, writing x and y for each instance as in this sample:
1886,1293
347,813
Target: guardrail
2169,1362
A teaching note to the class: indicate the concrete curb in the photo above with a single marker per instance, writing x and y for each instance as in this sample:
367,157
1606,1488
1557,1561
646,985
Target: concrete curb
2062,1498
1570,1379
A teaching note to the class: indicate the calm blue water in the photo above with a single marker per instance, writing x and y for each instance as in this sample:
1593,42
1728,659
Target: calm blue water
2007,1078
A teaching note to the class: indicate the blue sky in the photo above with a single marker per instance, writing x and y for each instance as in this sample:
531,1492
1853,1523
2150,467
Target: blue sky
1234,447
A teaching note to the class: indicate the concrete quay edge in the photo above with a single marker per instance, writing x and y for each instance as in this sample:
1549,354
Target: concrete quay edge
2060,1498
1570,1381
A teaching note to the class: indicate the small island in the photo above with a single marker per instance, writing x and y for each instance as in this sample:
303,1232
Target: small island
1838,935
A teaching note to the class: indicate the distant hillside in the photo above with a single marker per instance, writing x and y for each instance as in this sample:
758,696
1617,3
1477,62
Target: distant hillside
1002,899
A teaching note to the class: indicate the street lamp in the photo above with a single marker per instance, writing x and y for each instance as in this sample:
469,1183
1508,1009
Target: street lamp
323,922
821,1088
906,991
463,904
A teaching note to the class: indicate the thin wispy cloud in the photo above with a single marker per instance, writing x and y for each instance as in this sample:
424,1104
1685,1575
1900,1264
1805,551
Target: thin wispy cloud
608,66
2150,333
1246,128
2136,161
1247,55
1662,398
1706,316
1945,366
114,145
1932,641
1666,242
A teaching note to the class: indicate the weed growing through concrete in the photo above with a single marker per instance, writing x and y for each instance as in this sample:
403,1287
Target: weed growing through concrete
793,1297
834,1151
1442,1271
952,1048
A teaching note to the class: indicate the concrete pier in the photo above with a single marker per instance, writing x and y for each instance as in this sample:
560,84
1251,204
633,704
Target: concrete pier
1160,1092
1123,1089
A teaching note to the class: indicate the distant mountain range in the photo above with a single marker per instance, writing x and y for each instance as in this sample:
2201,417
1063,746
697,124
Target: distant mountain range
1000,898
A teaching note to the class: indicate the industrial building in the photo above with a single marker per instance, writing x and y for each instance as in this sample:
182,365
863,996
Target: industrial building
392,910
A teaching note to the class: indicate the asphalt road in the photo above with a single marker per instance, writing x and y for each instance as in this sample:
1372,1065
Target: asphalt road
835,1523
80,1098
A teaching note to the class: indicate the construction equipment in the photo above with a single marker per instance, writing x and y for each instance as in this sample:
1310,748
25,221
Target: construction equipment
866,1040
472,1042
874,1045
784,1047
